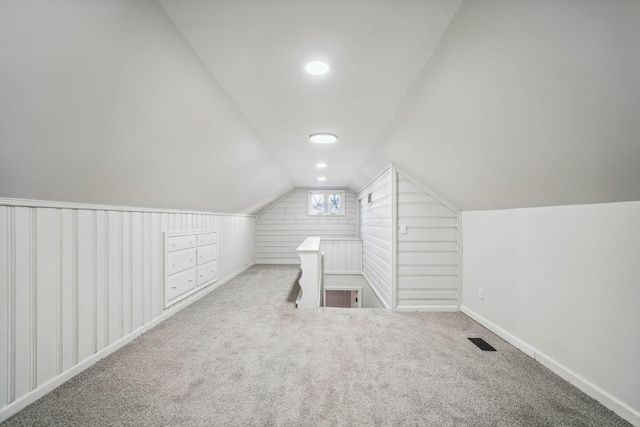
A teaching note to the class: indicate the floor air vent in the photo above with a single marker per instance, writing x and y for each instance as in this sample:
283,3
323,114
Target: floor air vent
482,344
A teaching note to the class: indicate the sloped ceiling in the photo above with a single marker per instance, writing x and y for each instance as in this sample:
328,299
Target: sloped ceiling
525,103
105,102
257,50
194,104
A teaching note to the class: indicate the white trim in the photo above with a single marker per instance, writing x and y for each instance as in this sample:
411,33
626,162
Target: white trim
35,394
339,238
4,201
429,191
460,251
394,237
339,273
511,339
275,201
433,308
342,288
378,175
375,292
602,396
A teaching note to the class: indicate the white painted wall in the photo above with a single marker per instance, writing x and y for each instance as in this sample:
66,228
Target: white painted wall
79,281
563,284
106,102
376,237
524,103
281,228
427,255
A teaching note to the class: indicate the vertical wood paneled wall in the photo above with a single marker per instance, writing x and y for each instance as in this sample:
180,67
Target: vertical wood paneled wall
376,223
427,255
342,256
73,281
285,225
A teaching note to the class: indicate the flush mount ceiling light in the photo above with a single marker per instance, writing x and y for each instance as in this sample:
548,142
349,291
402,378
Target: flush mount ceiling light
323,138
317,68
321,178
321,165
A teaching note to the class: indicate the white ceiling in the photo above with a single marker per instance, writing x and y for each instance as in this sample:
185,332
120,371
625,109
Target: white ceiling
205,105
257,50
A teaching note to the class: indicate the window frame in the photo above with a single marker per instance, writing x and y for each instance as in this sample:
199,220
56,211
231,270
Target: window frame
326,194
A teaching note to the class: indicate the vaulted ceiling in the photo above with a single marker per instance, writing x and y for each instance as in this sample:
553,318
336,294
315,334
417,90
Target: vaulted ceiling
195,104
258,50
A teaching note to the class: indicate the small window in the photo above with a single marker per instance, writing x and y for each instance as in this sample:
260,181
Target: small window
326,202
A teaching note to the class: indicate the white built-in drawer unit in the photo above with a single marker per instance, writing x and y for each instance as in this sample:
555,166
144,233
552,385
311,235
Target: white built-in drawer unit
178,243
190,263
207,239
207,253
206,272
178,284
180,260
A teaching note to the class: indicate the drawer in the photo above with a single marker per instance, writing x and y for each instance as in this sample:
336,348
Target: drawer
178,243
179,261
180,283
207,254
206,273
207,239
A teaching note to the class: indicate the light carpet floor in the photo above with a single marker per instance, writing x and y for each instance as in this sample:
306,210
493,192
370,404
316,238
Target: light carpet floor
244,356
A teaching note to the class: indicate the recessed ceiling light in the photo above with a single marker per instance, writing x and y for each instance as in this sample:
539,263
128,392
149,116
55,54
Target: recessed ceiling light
321,165
321,178
317,68
323,138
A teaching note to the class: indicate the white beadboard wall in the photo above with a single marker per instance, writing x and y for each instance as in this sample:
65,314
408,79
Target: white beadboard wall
76,281
376,224
281,228
342,255
427,255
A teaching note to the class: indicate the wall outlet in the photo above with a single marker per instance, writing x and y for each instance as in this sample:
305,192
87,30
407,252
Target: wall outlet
480,293
403,228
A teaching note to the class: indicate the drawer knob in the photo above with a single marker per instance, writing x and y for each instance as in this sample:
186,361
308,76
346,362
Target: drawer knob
173,264
173,287
212,271
201,275
191,280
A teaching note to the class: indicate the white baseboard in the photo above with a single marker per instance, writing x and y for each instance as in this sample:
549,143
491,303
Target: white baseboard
375,292
35,394
514,341
426,308
602,396
608,400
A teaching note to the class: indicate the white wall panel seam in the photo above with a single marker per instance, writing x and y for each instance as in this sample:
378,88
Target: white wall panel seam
12,304
106,280
59,278
74,285
121,311
460,269
94,280
131,284
33,314
143,268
